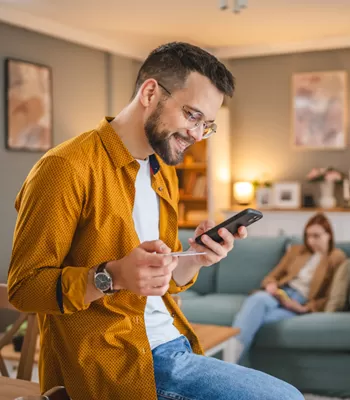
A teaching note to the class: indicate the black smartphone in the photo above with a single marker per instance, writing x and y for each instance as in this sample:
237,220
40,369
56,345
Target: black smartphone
244,218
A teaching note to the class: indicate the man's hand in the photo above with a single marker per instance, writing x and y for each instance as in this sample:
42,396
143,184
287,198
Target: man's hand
143,271
214,251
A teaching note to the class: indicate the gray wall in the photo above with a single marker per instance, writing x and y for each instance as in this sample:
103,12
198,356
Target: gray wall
261,116
87,85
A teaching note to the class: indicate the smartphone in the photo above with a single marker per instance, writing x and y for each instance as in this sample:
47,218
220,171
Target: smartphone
244,218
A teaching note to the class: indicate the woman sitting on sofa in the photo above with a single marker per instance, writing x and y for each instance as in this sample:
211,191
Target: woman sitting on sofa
299,284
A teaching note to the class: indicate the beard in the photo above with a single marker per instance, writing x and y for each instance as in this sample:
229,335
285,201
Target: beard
162,141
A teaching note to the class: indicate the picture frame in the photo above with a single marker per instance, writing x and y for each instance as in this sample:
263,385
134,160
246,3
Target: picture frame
319,110
287,195
28,106
264,197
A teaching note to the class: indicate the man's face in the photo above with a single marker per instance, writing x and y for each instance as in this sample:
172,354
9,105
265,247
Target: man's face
167,128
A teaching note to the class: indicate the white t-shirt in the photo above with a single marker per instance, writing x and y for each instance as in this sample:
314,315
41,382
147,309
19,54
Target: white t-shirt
302,281
158,321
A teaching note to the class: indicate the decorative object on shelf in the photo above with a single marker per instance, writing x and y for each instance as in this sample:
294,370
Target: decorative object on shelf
308,201
346,191
263,197
319,110
238,5
28,106
287,195
243,192
327,177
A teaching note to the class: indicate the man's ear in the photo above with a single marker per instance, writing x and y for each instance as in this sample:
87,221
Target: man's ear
149,93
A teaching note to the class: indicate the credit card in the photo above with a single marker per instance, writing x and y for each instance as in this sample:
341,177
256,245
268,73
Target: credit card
184,253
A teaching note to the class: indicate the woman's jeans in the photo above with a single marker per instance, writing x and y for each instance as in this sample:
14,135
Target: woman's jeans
261,308
182,375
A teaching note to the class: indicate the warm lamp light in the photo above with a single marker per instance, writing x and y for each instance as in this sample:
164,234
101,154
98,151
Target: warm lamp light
243,192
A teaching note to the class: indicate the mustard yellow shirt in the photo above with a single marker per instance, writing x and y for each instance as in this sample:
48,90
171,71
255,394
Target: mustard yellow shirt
74,212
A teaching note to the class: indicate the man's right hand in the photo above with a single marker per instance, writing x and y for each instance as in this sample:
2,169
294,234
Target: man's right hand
143,271
271,288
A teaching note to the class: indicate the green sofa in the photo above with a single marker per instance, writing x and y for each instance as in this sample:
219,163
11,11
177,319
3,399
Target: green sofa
312,351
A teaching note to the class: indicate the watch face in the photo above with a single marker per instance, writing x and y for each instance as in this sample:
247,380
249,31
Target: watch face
102,281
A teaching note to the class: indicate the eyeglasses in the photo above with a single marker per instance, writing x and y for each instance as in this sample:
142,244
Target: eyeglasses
194,119
315,236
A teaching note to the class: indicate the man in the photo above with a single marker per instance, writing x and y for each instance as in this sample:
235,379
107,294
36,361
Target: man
97,217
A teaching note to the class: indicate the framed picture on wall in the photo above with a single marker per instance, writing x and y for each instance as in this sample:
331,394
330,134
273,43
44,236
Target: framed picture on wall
28,106
319,110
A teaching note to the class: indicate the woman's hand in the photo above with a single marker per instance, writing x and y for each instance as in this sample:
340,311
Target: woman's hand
271,288
293,305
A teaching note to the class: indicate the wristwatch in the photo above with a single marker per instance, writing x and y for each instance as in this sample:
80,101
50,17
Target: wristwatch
103,280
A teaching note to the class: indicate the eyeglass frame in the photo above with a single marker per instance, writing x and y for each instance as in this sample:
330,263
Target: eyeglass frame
188,114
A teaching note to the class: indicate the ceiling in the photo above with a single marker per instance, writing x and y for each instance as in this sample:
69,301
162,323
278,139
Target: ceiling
135,27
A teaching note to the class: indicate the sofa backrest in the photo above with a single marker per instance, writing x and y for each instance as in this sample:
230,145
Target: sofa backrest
205,282
248,263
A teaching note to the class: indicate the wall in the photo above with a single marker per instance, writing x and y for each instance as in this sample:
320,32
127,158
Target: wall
87,85
261,116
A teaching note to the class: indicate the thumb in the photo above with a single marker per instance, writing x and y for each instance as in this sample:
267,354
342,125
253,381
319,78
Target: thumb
155,246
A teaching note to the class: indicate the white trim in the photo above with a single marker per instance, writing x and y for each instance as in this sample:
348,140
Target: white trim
283,48
55,29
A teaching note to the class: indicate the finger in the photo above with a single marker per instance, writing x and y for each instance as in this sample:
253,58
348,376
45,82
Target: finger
159,281
157,260
162,271
242,233
215,247
157,246
151,291
227,238
204,226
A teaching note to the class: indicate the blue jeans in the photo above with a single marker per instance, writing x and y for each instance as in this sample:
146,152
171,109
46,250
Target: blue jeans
182,375
261,308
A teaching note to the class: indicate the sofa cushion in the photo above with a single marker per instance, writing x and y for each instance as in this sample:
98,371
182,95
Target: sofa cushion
316,331
248,263
205,282
217,309
338,294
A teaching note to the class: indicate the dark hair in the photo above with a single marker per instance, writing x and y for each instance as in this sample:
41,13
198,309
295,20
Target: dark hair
320,219
171,63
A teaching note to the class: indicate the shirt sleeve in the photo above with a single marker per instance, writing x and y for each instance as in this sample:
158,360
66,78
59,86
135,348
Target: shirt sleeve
49,207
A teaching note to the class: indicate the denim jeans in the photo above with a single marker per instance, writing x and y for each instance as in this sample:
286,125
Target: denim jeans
261,308
182,375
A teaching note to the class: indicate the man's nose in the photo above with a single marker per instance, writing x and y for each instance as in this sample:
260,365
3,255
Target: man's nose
196,134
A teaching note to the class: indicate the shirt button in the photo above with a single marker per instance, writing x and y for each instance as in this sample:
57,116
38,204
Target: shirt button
160,188
173,315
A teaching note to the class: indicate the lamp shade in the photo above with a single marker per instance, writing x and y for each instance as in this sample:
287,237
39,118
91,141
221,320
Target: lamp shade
243,192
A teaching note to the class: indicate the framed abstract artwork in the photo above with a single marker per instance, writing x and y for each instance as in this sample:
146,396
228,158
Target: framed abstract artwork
319,111
28,106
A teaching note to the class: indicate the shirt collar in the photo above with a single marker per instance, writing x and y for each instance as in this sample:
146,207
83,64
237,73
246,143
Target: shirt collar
118,153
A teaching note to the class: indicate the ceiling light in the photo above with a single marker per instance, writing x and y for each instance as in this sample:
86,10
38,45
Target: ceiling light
237,6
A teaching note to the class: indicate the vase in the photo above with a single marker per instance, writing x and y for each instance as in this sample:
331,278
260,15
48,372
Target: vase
327,199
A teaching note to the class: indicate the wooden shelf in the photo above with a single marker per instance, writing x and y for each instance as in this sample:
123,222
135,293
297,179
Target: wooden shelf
302,209
188,224
192,199
193,166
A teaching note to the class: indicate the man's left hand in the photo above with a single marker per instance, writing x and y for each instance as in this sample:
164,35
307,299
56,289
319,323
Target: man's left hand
214,251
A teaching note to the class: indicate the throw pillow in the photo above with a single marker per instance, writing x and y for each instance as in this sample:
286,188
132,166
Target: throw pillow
338,297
